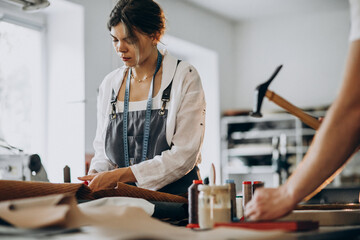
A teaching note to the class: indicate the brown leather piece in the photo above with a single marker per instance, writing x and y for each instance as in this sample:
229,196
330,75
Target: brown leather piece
125,190
24,189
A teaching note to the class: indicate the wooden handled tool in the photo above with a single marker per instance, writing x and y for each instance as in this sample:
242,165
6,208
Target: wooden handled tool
262,90
304,117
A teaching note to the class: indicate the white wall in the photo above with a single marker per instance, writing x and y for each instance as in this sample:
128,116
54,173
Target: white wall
66,90
311,46
211,31
98,59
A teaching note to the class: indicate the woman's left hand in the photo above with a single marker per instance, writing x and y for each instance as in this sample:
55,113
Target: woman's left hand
109,179
101,180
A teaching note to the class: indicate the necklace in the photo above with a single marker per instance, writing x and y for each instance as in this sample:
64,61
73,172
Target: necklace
139,80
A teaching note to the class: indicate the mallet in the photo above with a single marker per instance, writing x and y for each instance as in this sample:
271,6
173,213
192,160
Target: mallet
262,90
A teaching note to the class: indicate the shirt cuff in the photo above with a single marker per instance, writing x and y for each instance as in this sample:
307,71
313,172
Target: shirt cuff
139,179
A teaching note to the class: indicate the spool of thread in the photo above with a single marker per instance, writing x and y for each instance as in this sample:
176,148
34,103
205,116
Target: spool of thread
193,195
247,192
67,174
256,185
232,188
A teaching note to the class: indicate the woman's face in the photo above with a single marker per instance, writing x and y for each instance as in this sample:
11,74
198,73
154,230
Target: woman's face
132,54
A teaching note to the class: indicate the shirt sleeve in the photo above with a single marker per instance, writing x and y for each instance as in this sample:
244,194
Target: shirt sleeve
100,162
186,143
355,20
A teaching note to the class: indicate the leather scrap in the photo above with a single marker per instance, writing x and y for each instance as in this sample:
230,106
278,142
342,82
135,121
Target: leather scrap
10,190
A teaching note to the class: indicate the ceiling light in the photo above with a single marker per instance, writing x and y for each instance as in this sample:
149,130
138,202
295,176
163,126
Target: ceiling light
31,5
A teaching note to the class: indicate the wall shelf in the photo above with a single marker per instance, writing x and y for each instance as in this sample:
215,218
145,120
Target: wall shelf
255,148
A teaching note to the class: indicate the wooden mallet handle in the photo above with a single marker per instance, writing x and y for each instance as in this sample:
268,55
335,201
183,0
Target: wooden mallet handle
306,118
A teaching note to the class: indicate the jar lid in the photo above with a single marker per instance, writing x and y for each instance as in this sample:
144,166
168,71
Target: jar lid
229,181
246,182
197,182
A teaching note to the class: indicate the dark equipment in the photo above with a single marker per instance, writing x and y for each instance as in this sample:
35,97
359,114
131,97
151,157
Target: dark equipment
19,166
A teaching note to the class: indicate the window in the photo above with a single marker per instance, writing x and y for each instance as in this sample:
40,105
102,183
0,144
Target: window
21,82
42,85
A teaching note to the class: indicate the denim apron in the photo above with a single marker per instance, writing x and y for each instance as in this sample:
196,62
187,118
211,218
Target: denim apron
136,127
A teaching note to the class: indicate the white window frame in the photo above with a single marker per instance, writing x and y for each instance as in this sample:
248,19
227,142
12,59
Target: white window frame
36,21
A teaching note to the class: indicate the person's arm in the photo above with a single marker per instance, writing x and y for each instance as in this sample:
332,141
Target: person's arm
334,143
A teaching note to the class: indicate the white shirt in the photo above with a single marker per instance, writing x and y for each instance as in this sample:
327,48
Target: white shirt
355,20
185,124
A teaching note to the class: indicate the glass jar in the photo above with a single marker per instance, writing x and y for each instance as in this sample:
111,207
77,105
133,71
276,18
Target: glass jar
205,200
221,207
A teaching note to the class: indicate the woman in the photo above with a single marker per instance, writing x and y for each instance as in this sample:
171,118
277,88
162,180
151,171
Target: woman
337,138
151,111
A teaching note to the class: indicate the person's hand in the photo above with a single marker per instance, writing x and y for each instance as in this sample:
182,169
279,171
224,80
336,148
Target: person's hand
269,203
92,172
108,179
101,180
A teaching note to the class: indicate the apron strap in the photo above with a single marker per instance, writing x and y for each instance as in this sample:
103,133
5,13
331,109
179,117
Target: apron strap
166,93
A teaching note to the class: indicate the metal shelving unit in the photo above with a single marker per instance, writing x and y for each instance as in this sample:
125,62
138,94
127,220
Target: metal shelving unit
254,148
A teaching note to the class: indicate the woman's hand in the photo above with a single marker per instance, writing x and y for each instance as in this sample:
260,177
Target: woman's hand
269,203
101,180
109,179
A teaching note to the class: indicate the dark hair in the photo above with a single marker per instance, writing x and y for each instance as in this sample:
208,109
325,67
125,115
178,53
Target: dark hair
144,16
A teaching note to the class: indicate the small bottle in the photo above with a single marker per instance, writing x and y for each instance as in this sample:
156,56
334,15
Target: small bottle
221,208
247,192
256,185
232,187
204,207
193,194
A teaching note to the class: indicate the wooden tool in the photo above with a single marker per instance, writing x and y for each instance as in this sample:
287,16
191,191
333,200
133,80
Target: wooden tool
262,90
